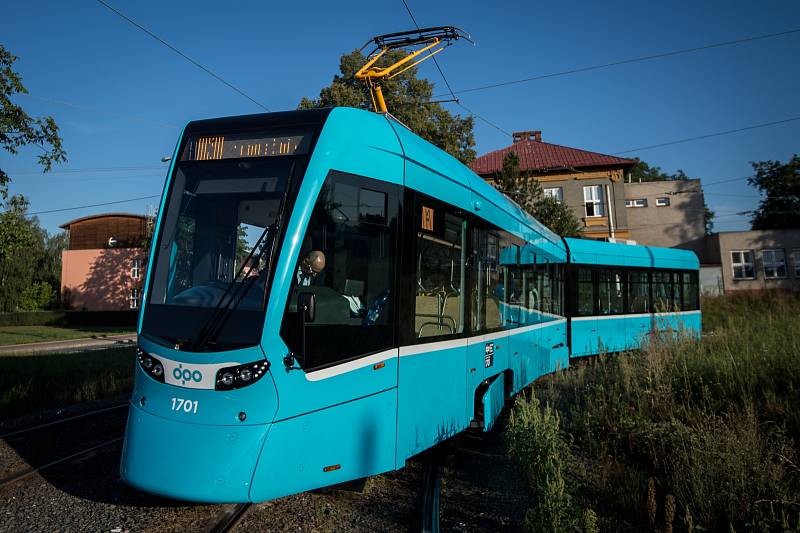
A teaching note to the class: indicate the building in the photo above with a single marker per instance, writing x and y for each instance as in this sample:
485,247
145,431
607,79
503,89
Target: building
751,260
103,265
592,184
670,214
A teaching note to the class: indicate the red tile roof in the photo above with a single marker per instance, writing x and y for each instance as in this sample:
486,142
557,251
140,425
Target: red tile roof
542,156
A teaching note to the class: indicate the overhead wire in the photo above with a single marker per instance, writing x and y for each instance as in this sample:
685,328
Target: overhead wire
708,136
456,100
94,205
183,55
628,61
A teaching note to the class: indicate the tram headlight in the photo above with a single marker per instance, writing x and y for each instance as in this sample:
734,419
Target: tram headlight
151,365
236,377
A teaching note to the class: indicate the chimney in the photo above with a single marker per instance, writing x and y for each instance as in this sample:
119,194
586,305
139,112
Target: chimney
534,135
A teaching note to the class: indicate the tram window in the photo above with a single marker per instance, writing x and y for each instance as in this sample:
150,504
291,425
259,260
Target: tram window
530,292
545,288
488,286
441,279
585,293
662,291
557,274
347,260
690,291
638,292
610,293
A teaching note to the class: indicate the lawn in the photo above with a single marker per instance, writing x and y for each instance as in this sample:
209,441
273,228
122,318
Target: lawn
681,436
30,334
32,382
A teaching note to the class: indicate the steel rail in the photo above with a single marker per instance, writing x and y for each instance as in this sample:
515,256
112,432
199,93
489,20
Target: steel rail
230,517
430,498
62,420
32,470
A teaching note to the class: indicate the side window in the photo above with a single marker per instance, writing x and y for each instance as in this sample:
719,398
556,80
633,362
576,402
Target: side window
557,275
662,291
690,291
347,261
585,293
610,293
544,288
441,271
638,292
488,283
514,297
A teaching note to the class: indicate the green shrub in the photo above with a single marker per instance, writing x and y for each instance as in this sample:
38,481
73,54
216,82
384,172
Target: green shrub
32,382
70,318
537,446
714,423
38,295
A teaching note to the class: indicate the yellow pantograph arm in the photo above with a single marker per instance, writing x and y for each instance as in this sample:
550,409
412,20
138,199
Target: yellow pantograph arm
372,74
367,71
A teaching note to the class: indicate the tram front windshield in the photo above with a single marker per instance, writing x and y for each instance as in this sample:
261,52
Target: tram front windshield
209,277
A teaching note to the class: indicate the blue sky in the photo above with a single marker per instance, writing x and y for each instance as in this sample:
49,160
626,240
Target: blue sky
121,98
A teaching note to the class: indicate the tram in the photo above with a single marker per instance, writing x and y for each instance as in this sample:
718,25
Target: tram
329,295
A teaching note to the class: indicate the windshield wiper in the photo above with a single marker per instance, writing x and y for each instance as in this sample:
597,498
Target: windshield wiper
220,315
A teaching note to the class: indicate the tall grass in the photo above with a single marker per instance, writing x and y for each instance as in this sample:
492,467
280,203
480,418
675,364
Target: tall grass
32,382
687,434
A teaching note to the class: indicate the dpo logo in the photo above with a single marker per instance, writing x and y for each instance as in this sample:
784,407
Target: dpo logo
184,374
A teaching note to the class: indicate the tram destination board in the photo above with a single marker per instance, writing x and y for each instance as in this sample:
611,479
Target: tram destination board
209,147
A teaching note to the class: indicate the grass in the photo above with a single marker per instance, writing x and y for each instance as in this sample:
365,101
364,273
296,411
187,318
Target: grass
31,334
683,435
33,382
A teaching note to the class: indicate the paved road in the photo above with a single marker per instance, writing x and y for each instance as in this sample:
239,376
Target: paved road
72,345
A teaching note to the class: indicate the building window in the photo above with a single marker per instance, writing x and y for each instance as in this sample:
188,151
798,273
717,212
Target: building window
554,192
662,202
796,262
774,263
133,298
136,268
636,202
593,200
742,263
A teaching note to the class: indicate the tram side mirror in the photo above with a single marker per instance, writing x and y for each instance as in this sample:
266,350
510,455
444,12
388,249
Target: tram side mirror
307,305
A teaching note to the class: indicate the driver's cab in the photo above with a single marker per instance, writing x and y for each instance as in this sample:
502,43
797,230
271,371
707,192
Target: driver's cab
354,228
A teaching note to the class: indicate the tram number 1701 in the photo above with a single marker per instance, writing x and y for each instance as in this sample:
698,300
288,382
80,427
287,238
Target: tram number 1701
187,406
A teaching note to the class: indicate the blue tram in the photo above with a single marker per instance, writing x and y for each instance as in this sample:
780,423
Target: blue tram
328,295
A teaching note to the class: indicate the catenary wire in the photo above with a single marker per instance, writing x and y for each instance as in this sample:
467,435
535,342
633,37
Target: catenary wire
708,136
95,205
628,61
186,57
449,88
87,170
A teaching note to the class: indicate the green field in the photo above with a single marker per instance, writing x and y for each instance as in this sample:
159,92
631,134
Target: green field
32,382
682,436
30,334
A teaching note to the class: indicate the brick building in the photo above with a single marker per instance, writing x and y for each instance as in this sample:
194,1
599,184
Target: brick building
103,265
592,184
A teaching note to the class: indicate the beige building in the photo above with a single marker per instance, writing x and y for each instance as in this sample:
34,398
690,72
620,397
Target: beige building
667,213
592,184
103,267
754,260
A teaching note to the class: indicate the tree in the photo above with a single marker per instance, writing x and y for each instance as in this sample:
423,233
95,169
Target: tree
20,241
408,98
528,193
18,129
779,183
642,172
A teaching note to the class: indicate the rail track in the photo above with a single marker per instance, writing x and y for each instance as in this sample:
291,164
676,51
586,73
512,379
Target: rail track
22,431
22,474
430,498
228,519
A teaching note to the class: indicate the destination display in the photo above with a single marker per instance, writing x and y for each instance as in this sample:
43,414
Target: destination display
242,145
